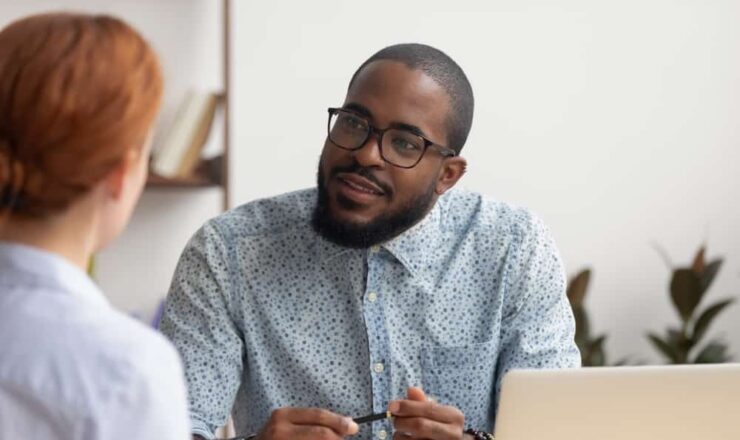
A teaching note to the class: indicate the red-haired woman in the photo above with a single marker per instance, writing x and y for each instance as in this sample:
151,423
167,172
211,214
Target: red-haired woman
78,96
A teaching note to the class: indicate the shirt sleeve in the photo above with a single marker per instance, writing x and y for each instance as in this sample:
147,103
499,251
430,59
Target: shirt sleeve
538,328
197,319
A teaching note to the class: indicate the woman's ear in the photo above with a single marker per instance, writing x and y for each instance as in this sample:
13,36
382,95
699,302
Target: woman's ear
115,181
452,170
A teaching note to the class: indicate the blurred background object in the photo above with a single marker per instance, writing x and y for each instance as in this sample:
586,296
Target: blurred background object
688,287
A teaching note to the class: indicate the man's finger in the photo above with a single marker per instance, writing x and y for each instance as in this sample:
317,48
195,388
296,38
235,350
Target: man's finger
398,435
416,393
320,417
419,427
426,409
315,432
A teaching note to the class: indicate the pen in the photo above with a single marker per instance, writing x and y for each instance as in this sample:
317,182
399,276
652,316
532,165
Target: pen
364,419
373,417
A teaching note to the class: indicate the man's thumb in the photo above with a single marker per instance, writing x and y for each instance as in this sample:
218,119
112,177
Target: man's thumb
416,393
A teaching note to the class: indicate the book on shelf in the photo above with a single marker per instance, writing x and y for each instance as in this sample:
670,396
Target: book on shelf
181,148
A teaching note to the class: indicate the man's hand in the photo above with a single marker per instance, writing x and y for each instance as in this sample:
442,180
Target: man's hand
420,418
306,424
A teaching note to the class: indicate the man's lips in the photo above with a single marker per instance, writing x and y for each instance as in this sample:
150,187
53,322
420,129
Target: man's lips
360,183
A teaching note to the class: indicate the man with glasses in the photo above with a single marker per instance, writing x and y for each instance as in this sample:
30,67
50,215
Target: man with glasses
383,289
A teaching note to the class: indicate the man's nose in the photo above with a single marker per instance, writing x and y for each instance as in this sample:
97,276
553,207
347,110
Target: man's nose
369,154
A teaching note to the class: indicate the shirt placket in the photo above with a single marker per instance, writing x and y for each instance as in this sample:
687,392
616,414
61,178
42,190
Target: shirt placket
378,342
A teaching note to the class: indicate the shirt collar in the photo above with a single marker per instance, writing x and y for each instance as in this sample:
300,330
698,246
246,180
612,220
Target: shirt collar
416,246
327,250
42,268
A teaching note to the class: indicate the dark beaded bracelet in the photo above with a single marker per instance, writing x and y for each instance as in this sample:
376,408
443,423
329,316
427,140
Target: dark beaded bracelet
479,435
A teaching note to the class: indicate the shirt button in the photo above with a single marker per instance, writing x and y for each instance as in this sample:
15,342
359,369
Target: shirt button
375,249
378,368
372,296
382,434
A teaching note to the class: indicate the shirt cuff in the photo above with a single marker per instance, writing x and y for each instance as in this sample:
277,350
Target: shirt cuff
201,429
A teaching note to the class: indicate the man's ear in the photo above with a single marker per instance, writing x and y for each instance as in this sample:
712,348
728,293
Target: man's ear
115,181
452,170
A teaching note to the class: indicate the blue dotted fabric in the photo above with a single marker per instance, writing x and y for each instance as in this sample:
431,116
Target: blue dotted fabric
267,314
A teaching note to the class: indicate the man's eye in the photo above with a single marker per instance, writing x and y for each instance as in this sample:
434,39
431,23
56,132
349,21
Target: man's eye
353,123
402,144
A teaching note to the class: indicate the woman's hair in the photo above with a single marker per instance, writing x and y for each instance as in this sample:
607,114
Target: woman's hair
77,93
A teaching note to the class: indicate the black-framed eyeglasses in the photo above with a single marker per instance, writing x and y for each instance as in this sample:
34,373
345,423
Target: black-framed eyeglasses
399,147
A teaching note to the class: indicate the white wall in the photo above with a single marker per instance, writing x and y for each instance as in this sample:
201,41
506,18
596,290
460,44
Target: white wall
135,272
617,122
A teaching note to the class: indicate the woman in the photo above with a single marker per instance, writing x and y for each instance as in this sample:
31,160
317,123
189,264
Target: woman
78,96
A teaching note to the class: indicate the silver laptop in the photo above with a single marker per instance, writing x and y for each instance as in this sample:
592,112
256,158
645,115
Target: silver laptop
697,402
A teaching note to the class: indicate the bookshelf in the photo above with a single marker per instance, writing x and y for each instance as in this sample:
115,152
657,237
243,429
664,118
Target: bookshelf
210,173
192,40
158,182
214,172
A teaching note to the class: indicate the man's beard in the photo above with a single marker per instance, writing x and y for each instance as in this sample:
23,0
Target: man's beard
378,230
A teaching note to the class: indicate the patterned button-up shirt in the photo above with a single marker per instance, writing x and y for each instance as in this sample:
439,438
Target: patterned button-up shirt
268,314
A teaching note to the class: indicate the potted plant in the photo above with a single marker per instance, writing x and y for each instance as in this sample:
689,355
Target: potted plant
688,286
591,347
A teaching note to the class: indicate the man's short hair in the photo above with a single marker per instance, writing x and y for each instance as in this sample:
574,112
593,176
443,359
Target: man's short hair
445,71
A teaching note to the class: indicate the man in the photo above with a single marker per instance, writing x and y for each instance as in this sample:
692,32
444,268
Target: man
382,289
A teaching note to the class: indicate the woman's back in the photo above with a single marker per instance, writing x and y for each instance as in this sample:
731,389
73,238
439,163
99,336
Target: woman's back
78,97
74,368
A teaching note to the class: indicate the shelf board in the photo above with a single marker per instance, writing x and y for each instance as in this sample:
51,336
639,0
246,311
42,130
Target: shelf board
155,181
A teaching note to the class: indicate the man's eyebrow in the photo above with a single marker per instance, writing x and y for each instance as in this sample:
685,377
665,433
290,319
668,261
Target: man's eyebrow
364,111
358,108
408,127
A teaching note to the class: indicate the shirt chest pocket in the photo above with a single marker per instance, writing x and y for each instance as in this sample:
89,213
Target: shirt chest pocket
463,377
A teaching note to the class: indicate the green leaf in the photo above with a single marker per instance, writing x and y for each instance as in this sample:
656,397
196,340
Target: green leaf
582,325
625,361
595,356
698,265
710,271
91,267
685,291
713,353
680,342
578,286
706,318
664,347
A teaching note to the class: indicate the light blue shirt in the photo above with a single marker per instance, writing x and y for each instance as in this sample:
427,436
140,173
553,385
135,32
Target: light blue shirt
268,314
71,367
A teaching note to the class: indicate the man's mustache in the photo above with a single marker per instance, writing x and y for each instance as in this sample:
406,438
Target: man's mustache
355,168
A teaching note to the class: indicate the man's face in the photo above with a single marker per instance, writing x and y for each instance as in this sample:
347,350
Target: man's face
364,200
